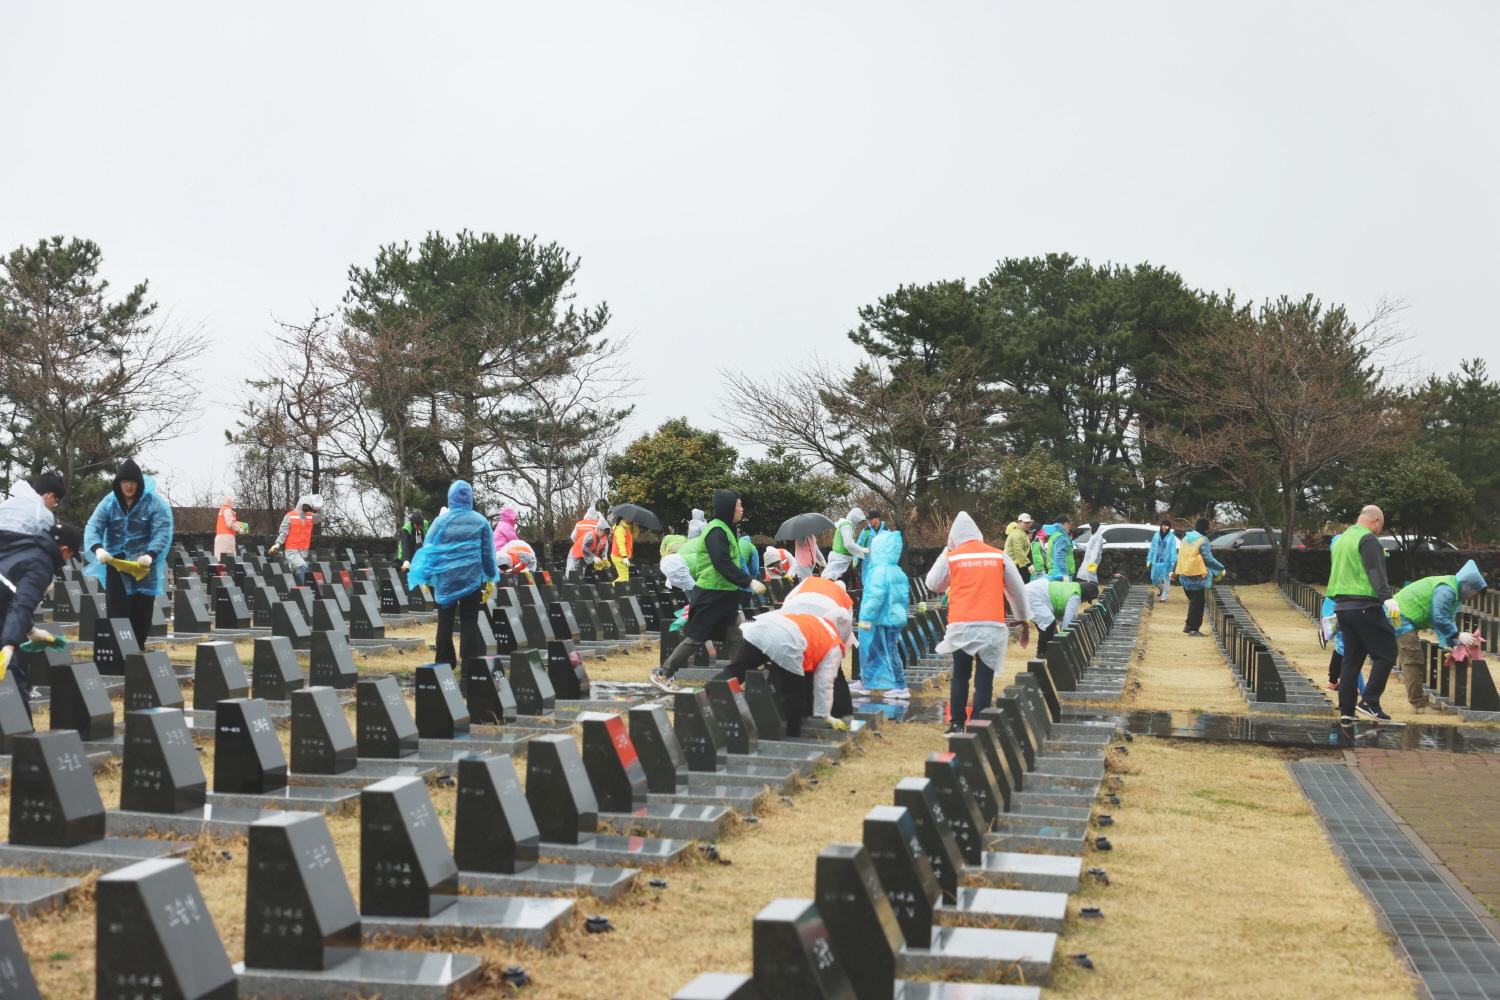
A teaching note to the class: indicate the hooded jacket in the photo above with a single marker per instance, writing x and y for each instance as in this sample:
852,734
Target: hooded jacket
1062,547
1017,544
844,542
1440,603
459,555
720,546
696,525
300,515
27,564
25,513
144,527
886,586
1193,538
505,527
984,639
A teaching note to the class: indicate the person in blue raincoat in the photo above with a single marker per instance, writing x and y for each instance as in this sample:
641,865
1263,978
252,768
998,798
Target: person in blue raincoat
458,562
882,616
1062,549
132,524
1161,559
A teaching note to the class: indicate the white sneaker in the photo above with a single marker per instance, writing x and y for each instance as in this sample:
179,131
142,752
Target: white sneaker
898,693
858,687
662,682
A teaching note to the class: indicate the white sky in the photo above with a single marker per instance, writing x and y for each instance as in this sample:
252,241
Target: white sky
739,179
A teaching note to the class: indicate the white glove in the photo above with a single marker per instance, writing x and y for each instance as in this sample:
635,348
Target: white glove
625,563
102,555
865,626
406,565
40,635
756,587
1467,639
145,560
1392,608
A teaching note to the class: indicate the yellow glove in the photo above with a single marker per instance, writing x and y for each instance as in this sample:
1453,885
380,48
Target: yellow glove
834,722
272,549
5,655
1093,567
488,592
865,626
244,528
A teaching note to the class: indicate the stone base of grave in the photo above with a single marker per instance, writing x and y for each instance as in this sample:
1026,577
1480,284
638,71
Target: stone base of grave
776,763
441,761
360,775
528,921
1053,839
740,776
23,896
689,676
741,800
109,854
113,745
1037,872
499,743
541,878
974,951
1021,909
682,822
293,798
808,755
1043,796
391,975
909,990
544,724
719,986
611,849
616,705
220,821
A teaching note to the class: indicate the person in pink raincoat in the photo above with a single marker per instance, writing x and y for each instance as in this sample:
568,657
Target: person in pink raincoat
505,528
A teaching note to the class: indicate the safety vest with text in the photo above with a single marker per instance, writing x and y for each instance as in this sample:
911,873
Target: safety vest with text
977,591
299,534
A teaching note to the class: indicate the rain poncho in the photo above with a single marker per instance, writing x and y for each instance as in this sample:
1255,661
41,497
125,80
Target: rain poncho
675,569
505,527
1443,603
1213,565
146,527
749,558
1162,557
886,590
696,525
25,513
1061,548
516,556
1039,600
1093,552
459,555
986,640
784,644
826,599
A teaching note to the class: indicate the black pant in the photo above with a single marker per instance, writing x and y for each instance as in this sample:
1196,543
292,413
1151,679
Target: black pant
1367,632
792,687
20,661
467,608
1025,573
958,691
1195,609
1044,637
139,608
1335,666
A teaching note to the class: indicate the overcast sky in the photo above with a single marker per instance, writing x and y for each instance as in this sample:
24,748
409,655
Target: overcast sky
740,178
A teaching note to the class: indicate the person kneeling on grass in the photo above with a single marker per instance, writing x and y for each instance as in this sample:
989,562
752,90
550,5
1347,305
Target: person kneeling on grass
804,648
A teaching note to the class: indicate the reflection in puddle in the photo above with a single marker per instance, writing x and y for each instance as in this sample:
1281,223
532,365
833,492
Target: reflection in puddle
1314,734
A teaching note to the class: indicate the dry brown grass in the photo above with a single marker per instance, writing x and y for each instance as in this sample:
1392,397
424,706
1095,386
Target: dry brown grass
1179,673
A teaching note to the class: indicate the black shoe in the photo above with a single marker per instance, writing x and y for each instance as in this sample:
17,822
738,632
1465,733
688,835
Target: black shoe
1373,711
1346,720
953,727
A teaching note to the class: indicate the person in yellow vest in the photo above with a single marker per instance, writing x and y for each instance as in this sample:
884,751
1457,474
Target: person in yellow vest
1196,570
623,549
296,534
227,528
1363,605
1430,603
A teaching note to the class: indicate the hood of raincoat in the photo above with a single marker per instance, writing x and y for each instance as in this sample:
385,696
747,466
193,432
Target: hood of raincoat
1192,536
1012,526
228,500
129,470
671,543
305,500
461,496
856,515
697,524
588,515
1470,580
507,514
964,530
724,505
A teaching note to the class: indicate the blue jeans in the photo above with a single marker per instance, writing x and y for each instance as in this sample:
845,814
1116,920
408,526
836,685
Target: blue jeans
958,694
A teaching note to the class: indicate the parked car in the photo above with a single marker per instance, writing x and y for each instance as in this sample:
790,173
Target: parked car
1122,536
1252,539
1394,544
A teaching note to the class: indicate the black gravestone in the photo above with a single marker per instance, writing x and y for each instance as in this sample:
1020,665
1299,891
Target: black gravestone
557,786
231,610
79,702
441,712
154,937
161,772
158,626
583,616
189,613
698,731
564,625
565,668
217,674
151,682
537,625
322,742
984,734
1015,720
793,955
607,618
92,608
1008,745
16,980
53,799
288,621
905,874
487,691
530,684
247,753
917,797
14,719
304,600
299,912
332,661
274,670
41,662
510,631
493,828
383,724
960,809
393,599
656,743
364,617
765,707
327,617
974,771
614,769
114,639
405,867
483,638
337,594
67,600
727,702
263,600
862,928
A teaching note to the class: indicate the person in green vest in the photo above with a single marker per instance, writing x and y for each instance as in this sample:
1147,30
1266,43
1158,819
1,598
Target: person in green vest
1041,552
1054,605
1363,605
1429,603
845,547
413,532
713,558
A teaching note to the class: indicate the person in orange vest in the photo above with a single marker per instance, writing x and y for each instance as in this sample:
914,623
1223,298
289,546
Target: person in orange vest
227,528
802,648
517,557
623,548
778,562
586,537
296,534
979,580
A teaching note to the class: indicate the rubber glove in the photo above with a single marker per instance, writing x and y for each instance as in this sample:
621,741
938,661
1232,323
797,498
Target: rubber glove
488,592
244,528
1093,567
1467,639
144,559
41,635
1392,608
104,556
272,549
757,587
922,608
866,626
1025,634
625,563
5,654
834,722
406,565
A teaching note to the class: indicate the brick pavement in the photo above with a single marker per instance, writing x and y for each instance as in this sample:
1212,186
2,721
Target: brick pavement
1452,801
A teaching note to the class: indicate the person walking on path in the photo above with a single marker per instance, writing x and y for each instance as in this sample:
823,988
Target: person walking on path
882,616
131,523
1093,552
1429,603
714,604
296,534
980,582
29,509
1054,606
1363,605
1018,545
1161,559
28,562
622,550
227,528
1196,570
412,537
845,547
458,562
1060,556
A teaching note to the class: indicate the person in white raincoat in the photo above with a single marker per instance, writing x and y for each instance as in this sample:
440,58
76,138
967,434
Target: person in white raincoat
982,585
845,548
1093,551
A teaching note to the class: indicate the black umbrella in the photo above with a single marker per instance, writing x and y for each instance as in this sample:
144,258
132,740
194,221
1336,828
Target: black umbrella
803,526
636,514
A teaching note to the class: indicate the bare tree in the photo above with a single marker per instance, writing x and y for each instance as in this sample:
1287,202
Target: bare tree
1278,396
305,390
